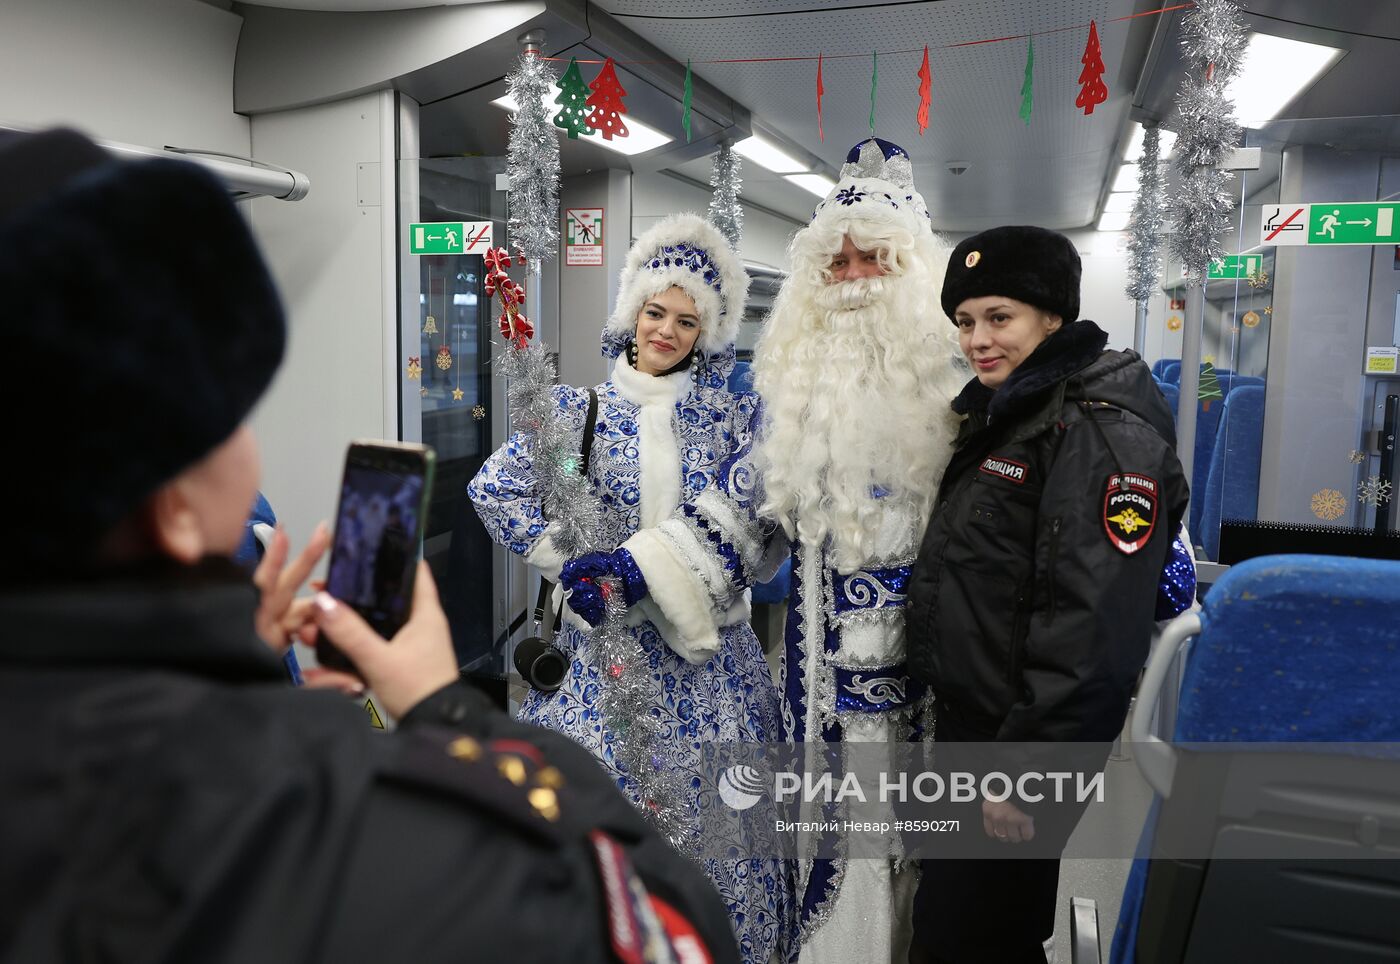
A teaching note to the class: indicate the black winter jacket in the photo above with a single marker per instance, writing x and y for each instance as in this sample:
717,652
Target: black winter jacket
1031,601
166,796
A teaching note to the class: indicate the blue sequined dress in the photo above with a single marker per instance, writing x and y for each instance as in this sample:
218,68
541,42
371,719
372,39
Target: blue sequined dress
658,442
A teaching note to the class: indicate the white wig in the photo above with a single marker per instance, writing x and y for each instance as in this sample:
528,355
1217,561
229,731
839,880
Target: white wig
687,252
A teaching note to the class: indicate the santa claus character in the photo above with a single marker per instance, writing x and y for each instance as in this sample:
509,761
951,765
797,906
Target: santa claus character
839,469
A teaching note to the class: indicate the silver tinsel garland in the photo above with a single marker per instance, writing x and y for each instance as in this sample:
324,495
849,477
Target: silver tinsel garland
1145,224
1213,43
532,163
576,516
726,213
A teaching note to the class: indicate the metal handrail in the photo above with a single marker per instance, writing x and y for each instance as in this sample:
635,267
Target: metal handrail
1155,757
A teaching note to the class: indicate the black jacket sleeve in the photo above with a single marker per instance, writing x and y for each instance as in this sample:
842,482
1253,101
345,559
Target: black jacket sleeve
1091,621
666,873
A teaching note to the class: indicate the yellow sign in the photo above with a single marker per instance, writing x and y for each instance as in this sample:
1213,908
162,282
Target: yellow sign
1382,361
374,719
1174,323
1251,319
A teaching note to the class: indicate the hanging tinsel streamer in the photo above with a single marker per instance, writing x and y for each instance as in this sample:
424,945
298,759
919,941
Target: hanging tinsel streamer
726,213
685,101
1027,85
821,134
1145,223
1213,43
925,93
532,163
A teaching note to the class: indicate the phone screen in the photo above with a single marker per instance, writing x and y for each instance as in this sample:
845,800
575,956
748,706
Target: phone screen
378,527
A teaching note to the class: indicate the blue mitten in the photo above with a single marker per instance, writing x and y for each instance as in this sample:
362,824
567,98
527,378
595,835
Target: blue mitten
1176,587
581,581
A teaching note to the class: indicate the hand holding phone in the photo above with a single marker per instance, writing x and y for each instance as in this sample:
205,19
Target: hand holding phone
384,496
421,660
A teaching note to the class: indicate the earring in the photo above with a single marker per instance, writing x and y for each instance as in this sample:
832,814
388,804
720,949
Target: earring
632,353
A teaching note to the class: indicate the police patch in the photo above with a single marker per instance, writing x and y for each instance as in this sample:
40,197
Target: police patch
1129,511
1008,469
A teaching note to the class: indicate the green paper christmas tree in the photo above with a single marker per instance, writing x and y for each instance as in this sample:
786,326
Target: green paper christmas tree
1028,85
1209,387
573,95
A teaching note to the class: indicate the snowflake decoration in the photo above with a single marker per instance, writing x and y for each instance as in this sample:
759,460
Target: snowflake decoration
1328,504
1268,309
1356,458
849,195
1260,279
478,412
1373,491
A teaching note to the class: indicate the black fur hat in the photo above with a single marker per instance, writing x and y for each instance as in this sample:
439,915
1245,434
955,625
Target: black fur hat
140,327
1030,264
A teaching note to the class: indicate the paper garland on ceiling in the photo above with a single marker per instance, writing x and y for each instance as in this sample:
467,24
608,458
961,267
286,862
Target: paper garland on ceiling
605,104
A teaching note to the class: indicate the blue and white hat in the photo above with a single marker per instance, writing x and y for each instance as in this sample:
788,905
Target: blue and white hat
687,252
877,184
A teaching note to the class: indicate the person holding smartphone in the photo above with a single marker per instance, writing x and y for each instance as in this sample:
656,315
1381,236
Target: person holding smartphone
665,425
165,794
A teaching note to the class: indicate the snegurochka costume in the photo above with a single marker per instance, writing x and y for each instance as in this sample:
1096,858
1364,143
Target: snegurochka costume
661,441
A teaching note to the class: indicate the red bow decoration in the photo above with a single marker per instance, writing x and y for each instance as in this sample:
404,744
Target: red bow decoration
497,259
516,327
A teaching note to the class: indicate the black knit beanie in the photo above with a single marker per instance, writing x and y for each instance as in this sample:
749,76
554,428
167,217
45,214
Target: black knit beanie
1030,264
140,327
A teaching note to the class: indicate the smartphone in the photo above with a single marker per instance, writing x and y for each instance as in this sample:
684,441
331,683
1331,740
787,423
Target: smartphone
379,524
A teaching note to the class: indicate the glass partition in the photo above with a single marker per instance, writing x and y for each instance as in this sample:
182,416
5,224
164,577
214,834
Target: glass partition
1298,373
447,391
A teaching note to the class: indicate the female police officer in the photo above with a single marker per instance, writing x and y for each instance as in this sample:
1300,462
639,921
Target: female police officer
1031,603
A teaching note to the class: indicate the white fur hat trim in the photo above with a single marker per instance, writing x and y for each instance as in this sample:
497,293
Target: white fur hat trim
687,252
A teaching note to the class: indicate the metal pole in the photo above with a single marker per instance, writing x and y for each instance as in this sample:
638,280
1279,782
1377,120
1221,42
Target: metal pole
1140,328
1190,381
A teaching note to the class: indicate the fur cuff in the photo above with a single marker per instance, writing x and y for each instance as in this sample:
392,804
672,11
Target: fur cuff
688,625
545,557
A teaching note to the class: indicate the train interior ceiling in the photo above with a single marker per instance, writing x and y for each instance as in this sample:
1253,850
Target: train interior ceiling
363,117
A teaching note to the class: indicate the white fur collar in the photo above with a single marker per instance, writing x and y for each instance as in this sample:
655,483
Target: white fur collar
655,397
642,389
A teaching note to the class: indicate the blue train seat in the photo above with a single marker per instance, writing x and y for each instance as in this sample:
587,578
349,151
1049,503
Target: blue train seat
1232,482
1159,367
1171,374
1287,650
1173,396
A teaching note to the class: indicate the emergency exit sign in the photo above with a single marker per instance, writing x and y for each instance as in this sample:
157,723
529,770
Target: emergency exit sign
1234,266
449,237
1366,222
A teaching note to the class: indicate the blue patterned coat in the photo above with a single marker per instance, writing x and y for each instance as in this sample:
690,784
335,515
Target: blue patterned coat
658,443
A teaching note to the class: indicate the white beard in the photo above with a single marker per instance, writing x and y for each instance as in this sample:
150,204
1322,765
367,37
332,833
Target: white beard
856,379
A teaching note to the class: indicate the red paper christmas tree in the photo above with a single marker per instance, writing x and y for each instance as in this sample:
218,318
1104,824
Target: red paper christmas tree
606,101
925,93
1094,91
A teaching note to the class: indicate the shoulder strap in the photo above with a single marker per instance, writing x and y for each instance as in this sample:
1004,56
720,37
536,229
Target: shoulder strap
588,428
